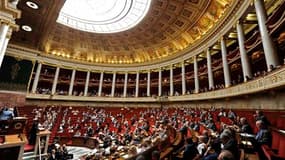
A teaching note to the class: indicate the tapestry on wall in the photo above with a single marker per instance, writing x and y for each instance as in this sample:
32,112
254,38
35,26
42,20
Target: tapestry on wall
15,74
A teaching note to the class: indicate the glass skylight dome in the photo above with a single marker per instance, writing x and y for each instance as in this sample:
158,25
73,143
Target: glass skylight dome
103,16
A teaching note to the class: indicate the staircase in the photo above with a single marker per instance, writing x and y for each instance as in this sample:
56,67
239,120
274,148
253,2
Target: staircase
56,125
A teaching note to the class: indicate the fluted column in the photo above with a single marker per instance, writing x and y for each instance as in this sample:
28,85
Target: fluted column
71,82
226,69
137,84
113,85
100,83
159,82
14,3
246,69
53,90
210,72
8,15
4,39
183,78
148,84
171,81
125,85
270,52
87,83
36,79
196,78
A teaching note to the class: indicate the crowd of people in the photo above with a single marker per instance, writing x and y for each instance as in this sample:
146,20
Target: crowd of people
58,152
133,131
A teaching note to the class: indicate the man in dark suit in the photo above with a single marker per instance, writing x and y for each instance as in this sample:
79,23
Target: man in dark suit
263,135
245,127
190,151
52,156
260,116
229,143
90,131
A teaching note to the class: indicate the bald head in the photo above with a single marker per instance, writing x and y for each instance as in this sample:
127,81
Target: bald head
226,155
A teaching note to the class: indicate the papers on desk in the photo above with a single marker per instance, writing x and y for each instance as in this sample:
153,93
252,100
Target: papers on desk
126,156
247,143
247,135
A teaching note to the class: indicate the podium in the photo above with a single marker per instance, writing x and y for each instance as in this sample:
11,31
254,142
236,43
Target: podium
41,145
12,139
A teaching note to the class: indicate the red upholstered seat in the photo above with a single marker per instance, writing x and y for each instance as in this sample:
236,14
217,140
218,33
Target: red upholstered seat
277,152
281,150
281,122
275,140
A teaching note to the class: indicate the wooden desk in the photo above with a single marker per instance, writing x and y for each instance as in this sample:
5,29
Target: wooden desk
13,147
89,142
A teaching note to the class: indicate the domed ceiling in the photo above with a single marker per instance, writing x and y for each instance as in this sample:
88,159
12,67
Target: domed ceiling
168,27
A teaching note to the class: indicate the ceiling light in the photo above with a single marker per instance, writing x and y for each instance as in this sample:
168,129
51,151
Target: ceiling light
32,5
26,28
99,16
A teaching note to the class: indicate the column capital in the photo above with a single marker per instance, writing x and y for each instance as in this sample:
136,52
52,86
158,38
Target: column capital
239,22
9,13
11,24
9,34
8,8
33,61
223,38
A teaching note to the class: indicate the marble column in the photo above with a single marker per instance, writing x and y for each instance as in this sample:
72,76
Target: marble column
210,71
101,83
171,81
148,84
246,69
125,85
196,72
113,85
36,79
183,80
137,84
226,69
4,39
87,83
71,82
159,82
270,52
8,15
53,90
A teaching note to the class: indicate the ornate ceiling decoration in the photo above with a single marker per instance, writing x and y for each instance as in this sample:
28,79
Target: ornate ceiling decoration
168,28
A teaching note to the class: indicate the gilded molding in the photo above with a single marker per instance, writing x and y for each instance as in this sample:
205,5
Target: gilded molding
275,79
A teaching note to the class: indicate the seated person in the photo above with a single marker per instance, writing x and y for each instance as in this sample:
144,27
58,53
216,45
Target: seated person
211,125
6,114
190,151
229,143
244,126
263,135
202,145
226,155
260,116
213,151
155,155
